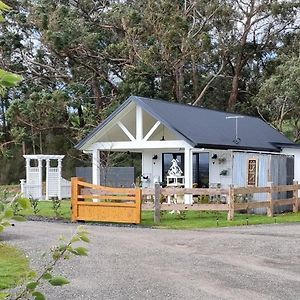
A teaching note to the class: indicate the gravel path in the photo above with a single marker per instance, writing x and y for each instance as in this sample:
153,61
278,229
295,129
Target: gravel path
254,262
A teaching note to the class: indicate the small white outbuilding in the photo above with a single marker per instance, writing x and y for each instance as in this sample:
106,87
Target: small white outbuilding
50,167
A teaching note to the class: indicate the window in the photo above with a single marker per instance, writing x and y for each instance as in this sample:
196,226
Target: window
201,170
167,162
252,172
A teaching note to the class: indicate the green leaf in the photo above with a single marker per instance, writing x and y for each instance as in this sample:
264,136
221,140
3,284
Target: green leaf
8,79
80,251
58,281
8,213
47,276
84,238
2,207
24,202
1,228
19,218
75,239
32,274
31,285
55,255
4,7
5,223
38,296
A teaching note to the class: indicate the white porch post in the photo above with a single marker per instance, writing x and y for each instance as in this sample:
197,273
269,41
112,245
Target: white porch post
47,178
27,169
139,123
188,174
59,179
40,176
23,189
25,181
96,164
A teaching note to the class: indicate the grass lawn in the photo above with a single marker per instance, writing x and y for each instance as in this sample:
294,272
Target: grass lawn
194,219
46,209
189,220
14,267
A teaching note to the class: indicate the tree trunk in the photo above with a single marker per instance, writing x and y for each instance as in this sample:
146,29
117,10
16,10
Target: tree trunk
179,82
4,129
195,78
97,94
41,142
33,141
199,99
233,98
80,116
234,92
241,59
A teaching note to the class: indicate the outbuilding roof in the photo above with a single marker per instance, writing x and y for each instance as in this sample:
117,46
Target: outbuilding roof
206,128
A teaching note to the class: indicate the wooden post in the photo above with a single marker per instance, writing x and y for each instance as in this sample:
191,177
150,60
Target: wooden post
295,196
75,189
157,203
138,203
270,209
230,214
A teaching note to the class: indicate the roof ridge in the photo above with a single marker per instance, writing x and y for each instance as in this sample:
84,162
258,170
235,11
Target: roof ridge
195,107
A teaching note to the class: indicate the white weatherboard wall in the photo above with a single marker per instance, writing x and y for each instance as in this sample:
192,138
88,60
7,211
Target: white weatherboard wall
223,162
152,167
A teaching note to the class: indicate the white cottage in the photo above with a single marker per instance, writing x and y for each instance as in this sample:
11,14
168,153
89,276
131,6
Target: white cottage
212,148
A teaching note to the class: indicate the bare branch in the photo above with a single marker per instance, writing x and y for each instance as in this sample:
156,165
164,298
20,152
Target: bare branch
200,97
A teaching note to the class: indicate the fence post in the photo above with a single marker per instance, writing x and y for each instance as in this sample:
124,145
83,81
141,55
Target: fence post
138,203
75,191
156,202
295,196
230,214
270,209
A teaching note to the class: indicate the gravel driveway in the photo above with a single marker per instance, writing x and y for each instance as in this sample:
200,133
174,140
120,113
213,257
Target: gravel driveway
254,262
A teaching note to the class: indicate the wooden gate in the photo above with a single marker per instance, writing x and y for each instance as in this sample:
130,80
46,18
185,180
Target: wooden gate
100,203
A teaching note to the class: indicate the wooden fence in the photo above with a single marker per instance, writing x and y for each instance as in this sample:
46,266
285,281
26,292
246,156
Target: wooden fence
120,205
231,194
124,204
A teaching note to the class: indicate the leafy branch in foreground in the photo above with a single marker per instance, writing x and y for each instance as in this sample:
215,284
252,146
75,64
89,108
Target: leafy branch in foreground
3,8
63,251
8,209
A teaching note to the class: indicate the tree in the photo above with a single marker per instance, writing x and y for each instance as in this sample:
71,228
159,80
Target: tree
81,59
164,48
7,79
258,26
279,99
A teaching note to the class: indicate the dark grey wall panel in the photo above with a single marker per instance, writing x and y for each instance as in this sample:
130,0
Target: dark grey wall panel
113,176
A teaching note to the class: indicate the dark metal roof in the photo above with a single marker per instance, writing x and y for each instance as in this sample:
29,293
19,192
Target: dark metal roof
206,128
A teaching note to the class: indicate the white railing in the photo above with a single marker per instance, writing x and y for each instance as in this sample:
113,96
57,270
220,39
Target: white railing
34,190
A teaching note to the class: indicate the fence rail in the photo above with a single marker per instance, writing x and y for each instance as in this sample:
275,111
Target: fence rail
231,193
